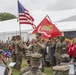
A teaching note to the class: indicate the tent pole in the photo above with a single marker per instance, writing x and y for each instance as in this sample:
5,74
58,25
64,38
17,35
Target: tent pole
20,29
16,32
4,36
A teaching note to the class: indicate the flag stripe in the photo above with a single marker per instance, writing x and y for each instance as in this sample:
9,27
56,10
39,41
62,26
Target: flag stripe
26,16
25,23
22,18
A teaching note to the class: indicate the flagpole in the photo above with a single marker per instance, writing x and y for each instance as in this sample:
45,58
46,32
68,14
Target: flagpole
20,29
18,19
48,17
28,36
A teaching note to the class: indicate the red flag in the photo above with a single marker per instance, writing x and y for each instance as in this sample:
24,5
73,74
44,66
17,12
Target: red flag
47,29
24,16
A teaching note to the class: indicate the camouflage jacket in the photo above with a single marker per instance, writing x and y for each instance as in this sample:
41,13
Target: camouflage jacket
34,72
36,49
25,69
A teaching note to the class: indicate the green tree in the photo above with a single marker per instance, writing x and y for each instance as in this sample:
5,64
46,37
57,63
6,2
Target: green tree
6,16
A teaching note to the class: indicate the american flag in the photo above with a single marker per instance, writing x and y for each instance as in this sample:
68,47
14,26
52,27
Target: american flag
24,16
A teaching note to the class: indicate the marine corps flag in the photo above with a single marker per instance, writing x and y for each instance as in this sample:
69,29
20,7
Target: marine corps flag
47,28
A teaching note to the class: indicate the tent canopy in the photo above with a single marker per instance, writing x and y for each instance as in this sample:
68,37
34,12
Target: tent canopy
66,26
13,25
55,16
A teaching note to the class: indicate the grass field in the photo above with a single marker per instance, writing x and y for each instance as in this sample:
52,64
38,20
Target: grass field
48,70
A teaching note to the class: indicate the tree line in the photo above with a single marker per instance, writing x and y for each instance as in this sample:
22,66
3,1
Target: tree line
6,16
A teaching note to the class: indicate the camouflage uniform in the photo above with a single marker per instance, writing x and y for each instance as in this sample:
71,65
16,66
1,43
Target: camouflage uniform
6,47
52,49
63,45
35,70
27,68
48,57
17,54
58,53
35,48
32,72
14,45
61,70
1,45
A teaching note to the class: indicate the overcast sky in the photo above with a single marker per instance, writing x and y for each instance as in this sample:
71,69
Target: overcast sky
37,5
39,8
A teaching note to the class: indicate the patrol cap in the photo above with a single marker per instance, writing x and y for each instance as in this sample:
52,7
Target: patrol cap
61,68
64,56
38,35
36,56
62,38
57,37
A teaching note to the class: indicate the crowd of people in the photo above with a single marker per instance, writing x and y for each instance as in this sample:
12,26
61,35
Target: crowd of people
49,52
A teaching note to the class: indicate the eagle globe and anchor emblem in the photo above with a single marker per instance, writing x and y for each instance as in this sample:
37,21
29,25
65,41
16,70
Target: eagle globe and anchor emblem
44,29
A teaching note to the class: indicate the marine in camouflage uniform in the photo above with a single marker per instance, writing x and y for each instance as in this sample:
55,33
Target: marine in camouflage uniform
1,45
28,67
38,47
61,70
63,45
48,57
19,53
52,47
17,50
2,64
14,46
6,46
61,48
58,51
35,62
25,69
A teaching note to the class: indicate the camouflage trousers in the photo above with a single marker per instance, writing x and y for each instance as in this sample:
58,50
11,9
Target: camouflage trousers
13,57
58,60
18,59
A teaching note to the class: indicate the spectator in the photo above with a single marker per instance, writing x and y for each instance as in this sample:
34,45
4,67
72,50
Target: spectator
3,67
